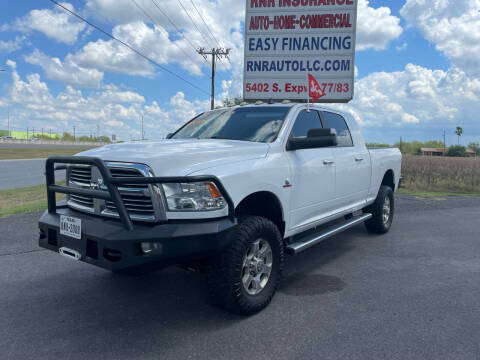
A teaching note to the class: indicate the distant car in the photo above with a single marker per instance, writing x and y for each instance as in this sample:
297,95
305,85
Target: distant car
9,137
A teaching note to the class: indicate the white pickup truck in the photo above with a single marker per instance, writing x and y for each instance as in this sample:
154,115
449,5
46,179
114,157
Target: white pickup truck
230,192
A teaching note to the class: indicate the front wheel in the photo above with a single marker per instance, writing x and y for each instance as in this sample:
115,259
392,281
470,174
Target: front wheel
244,278
382,211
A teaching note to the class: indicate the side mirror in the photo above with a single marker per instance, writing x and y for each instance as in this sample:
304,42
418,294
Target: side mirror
316,138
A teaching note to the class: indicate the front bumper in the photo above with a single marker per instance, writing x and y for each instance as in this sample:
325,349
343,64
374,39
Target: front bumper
107,244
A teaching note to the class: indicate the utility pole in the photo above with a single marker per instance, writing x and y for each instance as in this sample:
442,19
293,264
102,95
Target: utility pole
216,53
9,131
143,133
98,131
401,143
27,133
444,140
74,133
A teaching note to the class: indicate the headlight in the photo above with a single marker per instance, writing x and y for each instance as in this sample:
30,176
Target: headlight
202,196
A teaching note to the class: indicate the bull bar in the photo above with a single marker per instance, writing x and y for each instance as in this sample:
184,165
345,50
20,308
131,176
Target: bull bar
112,193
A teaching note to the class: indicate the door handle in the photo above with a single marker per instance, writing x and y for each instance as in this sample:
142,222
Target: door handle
328,162
358,159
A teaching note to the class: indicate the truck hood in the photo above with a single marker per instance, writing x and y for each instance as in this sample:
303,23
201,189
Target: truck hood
181,157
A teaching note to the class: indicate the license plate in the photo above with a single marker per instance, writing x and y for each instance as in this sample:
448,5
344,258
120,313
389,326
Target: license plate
71,227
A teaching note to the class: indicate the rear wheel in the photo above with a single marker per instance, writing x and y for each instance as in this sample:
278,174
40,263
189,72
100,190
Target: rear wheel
244,278
382,211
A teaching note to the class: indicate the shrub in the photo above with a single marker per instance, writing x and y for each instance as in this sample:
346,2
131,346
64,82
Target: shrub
456,151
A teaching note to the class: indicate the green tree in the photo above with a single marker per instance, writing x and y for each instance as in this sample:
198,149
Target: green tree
456,151
230,102
104,139
459,132
475,146
67,137
378,145
414,147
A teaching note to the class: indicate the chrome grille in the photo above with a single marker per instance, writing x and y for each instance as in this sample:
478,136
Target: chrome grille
84,201
137,198
81,175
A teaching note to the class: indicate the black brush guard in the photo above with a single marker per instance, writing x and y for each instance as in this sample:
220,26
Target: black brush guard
112,193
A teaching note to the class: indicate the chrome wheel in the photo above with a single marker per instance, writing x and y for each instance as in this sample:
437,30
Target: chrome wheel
257,267
386,210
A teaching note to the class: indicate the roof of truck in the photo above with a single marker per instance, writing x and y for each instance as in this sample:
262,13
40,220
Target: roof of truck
273,104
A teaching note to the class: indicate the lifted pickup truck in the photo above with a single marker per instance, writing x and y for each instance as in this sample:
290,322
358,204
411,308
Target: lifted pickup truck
231,192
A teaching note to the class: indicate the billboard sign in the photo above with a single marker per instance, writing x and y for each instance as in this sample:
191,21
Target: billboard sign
290,42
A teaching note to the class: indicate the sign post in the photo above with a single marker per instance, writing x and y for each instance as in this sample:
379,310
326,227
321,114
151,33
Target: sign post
300,49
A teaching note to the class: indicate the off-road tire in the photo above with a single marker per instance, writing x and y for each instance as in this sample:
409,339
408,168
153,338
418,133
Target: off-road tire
224,275
377,224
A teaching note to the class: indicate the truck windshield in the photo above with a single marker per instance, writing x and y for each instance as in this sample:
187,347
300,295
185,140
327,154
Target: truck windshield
246,124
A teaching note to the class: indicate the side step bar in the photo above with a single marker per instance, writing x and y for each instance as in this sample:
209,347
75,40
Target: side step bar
314,239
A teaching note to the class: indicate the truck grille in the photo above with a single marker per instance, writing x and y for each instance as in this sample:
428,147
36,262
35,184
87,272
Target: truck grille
81,175
136,197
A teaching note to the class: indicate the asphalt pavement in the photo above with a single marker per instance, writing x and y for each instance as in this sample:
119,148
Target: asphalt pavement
23,173
410,294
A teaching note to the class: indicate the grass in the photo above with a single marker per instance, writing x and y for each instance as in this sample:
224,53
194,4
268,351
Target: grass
441,175
22,135
23,200
432,194
40,153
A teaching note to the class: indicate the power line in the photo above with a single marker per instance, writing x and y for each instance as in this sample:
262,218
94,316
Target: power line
153,22
210,31
130,47
208,28
175,26
193,22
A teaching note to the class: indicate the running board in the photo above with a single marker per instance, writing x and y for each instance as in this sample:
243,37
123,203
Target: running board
314,239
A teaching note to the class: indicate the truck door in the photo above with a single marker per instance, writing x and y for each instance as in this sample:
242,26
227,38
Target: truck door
353,168
313,176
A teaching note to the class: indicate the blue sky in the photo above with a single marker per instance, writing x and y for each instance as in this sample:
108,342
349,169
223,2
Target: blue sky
417,66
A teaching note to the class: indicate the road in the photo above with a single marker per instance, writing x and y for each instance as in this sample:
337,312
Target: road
35,145
22,173
411,294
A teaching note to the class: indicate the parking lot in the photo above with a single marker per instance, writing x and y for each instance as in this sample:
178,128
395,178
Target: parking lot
412,294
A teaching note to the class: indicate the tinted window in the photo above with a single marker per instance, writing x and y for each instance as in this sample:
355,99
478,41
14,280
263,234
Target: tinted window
306,121
248,124
337,122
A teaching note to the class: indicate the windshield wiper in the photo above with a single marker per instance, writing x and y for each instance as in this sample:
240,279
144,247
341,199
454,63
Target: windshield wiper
224,138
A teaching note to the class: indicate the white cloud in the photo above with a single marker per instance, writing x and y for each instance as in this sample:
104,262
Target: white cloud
67,72
376,27
417,97
410,119
10,46
55,24
117,111
454,28
413,99
152,33
402,47
157,35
